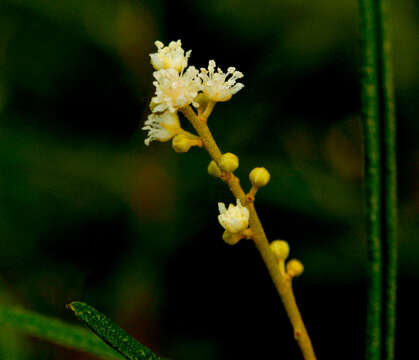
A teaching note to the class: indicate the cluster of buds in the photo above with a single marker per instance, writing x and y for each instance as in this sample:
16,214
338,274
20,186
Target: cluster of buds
227,164
178,86
281,250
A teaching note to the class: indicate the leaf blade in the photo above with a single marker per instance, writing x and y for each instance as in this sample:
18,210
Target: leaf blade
110,333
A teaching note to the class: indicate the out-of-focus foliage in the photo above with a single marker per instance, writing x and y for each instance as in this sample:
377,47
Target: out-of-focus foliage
77,182
56,331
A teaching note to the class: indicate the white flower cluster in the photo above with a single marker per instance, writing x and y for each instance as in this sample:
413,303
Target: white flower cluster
215,84
178,85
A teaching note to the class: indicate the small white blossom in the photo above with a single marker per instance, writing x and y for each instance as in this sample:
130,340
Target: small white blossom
162,127
170,57
235,219
174,90
216,86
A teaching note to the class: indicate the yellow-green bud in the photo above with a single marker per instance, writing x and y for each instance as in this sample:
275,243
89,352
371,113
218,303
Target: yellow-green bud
182,143
232,239
280,248
229,162
259,177
202,100
213,169
295,268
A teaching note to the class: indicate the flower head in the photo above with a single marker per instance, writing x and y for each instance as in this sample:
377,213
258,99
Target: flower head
162,127
235,219
174,90
216,86
170,57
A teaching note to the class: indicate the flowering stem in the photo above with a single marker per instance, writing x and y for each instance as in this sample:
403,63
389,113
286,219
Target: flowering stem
205,134
208,109
281,280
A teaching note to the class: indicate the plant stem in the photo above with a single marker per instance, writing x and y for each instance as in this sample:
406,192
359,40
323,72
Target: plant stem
389,184
281,281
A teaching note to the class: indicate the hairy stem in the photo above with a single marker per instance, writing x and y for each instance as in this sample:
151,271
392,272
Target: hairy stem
281,281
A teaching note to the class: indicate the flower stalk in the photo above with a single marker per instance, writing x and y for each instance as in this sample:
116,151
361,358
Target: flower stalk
281,280
177,88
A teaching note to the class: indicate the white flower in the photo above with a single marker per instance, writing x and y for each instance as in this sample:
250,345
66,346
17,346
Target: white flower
174,90
216,86
235,219
162,127
170,57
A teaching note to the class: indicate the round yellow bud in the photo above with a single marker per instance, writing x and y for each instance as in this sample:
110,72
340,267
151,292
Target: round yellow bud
232,239
213,169
229,162
181,143
280,248
295,268
259,177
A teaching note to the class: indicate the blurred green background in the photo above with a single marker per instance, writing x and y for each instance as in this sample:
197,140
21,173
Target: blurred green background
88,213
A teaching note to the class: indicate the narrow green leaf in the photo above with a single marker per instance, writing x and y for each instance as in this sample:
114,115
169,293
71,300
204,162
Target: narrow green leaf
55,331
389,181
112,334
373,174
380,176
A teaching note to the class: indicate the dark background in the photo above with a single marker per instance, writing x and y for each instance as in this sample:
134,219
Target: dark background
87,212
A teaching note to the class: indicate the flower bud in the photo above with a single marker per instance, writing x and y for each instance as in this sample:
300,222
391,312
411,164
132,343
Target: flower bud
229,162
259,177
231,239
280,248
213,169
295,268
202,100
181,143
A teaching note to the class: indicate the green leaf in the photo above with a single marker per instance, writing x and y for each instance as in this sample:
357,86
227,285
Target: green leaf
112,334
380,177
373,175
55,331
389,181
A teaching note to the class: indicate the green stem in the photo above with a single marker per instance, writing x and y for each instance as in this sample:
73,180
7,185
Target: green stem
389,187
370,119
